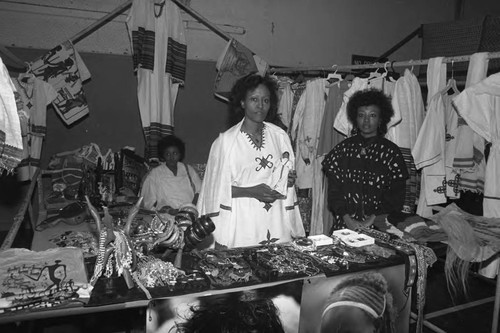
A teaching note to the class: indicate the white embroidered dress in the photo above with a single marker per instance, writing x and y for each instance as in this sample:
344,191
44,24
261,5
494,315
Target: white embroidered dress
235,161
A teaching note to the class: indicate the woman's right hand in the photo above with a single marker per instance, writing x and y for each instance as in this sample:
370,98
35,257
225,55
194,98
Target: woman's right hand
261,192
265,193
354,224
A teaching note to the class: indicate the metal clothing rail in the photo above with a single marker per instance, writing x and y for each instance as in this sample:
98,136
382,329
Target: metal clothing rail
126,5
407,63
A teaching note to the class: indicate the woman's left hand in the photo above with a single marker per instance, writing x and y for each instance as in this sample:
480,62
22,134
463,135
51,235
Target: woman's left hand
292,176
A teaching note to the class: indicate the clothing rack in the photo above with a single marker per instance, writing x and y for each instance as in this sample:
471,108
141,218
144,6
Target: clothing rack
126,5
391,64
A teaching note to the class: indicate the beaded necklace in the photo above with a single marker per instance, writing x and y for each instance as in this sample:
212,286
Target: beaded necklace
256,139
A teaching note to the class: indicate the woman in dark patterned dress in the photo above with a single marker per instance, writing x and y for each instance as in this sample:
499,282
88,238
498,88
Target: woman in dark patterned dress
366,172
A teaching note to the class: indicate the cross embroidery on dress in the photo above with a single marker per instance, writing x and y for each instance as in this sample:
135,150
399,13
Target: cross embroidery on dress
454,183
441,189
264,162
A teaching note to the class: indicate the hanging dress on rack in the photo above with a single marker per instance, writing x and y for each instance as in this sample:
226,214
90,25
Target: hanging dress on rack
436,81
407,101
11,144
159,54
329,138
285,101
469,160
439,128
307,120
478,105
35,95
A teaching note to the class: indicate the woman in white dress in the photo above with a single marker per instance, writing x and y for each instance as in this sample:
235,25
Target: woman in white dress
241,190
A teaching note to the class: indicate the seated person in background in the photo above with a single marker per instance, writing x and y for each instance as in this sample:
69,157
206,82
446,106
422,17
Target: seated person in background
366,172
172,183
359,304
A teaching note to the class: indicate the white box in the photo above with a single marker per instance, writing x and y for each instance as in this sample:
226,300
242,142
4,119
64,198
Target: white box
352,238
344,233
359,240
320,240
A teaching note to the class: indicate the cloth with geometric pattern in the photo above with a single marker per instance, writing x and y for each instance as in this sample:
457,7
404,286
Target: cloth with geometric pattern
365,177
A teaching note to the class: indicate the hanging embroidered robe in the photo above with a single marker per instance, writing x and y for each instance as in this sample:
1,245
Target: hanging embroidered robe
469,156
35,95
159,50
11,144
433,151
479,106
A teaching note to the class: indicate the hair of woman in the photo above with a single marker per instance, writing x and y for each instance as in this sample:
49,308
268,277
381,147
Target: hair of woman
371,290
366,98
247,84
171,141
234,313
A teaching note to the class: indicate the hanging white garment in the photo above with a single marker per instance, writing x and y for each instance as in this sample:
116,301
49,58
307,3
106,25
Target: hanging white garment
35,95
388,89
407,101
286,103
469,156
436,81
309,114
479,106
429,151
436,77
159,54
11,144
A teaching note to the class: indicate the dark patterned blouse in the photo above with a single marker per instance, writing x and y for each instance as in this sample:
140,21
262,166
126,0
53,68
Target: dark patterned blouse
365,177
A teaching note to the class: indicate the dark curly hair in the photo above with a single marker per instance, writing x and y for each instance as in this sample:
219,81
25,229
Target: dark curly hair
366,98
171,141
247,84
364,286
234,313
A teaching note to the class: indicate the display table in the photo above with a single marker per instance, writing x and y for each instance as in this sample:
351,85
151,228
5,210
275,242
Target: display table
111,294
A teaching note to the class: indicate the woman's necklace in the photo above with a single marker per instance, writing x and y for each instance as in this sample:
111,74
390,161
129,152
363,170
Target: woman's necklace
256,138
365,147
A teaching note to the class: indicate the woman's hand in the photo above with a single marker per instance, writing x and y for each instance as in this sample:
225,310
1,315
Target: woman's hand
265,193
127,192
354,224
168,210
292,176
261,192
